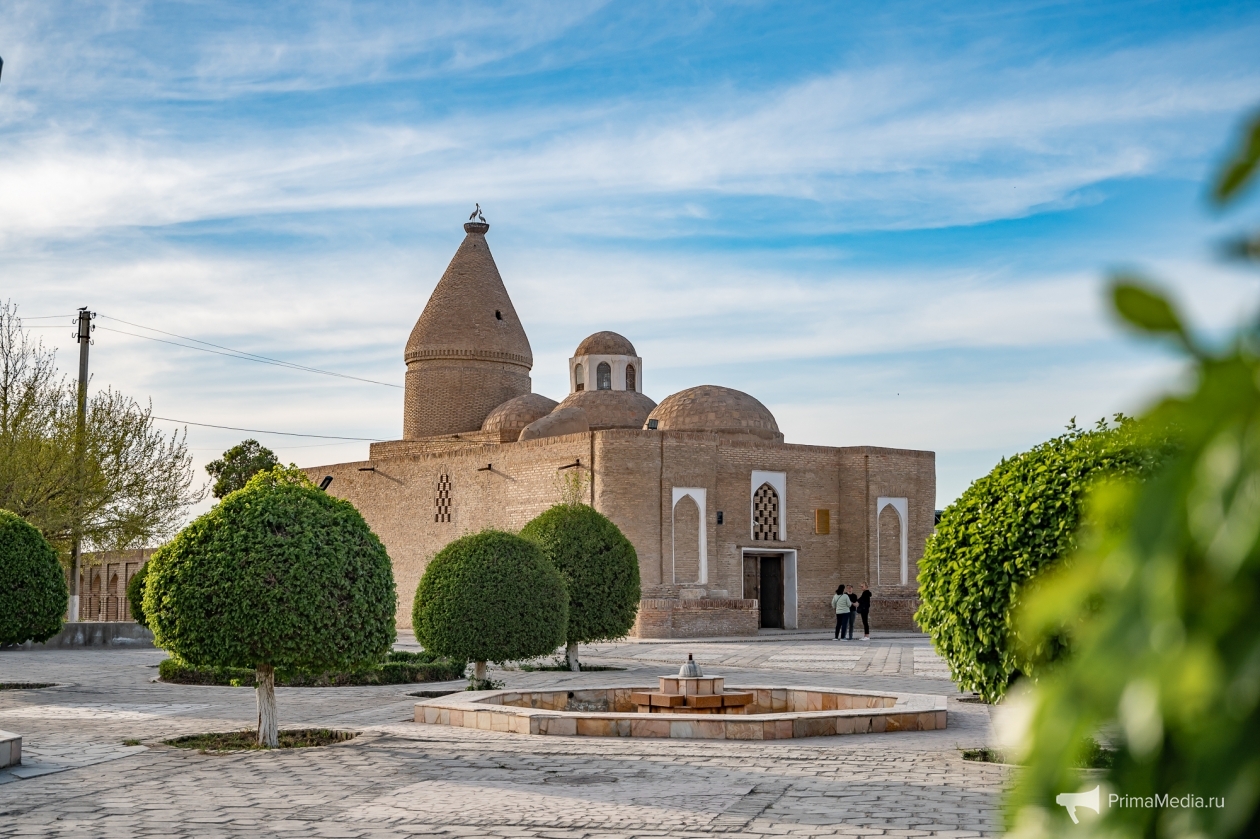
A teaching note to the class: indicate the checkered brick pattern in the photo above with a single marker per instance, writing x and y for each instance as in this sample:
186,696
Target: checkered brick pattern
442,502
765,514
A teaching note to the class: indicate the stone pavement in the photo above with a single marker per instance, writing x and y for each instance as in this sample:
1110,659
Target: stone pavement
399,779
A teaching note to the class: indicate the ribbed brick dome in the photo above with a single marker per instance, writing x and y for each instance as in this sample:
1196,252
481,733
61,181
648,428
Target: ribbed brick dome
605,343
515,414
469,315
611,408
719,409
467,353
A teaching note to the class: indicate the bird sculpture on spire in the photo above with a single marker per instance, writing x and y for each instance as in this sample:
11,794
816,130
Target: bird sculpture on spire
476,214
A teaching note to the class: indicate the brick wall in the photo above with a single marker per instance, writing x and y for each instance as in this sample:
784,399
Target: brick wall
700,618
632,473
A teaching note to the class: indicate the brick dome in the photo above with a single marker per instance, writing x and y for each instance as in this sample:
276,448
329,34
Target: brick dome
605,343
515,414
716,409
611,408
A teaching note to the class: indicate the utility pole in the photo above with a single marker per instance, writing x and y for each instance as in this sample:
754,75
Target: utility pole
84,337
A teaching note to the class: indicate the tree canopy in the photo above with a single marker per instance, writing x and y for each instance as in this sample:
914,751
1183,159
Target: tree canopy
136,484
277,575
1004,529
238,464
33,592
599,566
490,596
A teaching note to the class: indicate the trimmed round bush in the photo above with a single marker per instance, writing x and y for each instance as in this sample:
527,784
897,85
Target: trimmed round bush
135,595
490,596
599,566
278,575
33,593
1005,529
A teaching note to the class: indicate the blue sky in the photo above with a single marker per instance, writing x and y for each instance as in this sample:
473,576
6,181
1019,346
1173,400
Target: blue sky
891,222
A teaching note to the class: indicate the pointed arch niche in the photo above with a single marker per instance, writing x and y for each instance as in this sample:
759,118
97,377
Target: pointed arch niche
682,551
899,506
771,504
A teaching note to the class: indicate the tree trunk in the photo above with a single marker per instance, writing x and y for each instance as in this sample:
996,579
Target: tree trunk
479,673
266,693
571,653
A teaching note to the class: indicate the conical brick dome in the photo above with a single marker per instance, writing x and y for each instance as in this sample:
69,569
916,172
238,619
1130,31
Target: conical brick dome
468,352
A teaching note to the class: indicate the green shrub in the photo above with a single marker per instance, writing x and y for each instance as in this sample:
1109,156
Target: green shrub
277,575
600,570
400,668
1003,530
33,593
491,596
135,595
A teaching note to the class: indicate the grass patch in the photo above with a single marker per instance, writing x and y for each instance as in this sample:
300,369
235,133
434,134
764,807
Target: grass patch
1096,756
131,742
26,685
433,694
399,668
247,740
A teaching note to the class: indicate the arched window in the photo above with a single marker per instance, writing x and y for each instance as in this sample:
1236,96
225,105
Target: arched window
630,383
603,376
765,514
578,374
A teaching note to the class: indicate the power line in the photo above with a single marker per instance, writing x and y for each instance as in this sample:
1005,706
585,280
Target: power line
45,317
261,431
233,353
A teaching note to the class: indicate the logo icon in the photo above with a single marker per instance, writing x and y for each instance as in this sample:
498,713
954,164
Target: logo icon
1072,800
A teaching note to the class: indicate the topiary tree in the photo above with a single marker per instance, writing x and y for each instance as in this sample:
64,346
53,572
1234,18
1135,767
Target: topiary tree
490,596
1003,530
33,593
277,575
135,595
600,569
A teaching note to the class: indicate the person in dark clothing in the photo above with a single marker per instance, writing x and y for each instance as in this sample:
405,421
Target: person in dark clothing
864,609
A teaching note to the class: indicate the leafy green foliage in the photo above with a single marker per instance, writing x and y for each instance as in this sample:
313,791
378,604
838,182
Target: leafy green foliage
135,595
238,464
135,484
1003,530
278,574
491,596
600,569
400,668
33,593
1169,657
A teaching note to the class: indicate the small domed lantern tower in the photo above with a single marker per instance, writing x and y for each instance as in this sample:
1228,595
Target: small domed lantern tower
605,361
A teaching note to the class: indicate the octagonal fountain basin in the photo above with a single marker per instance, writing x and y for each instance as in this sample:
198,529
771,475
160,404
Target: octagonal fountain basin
760,713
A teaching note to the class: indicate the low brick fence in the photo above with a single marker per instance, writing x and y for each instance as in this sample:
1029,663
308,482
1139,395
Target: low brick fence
696,618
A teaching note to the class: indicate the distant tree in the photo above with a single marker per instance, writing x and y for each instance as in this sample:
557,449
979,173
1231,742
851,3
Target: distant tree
33,592
600,570
277,575
136,484
490,596
135,595
238,464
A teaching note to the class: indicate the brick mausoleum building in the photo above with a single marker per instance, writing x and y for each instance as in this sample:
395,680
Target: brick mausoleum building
735,529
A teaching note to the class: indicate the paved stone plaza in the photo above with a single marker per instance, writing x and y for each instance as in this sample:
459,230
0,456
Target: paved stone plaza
401,779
